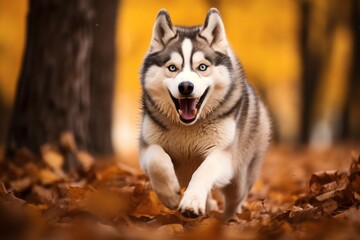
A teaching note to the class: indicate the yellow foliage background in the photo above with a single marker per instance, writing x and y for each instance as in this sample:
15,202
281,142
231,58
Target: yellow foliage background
264,35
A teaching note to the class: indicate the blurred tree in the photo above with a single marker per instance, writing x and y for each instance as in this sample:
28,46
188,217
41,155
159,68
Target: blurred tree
330,60
102,77
351,113
67,76
5,111
311,62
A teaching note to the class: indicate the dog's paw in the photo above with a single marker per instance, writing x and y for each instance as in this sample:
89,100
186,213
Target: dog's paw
170,199
211,205
192,205
168,193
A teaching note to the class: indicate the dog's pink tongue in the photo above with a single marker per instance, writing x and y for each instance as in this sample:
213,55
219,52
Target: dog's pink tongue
187,108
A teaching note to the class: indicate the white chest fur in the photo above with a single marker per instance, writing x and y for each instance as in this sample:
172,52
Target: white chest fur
189,145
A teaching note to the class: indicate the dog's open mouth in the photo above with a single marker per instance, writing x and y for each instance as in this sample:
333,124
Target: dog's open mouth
188,108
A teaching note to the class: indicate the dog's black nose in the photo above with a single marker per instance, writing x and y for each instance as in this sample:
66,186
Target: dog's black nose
186,88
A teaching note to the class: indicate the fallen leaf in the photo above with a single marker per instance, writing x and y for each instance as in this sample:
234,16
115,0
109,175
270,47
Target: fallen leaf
85,159
67,141
48,177
357,196
244,215
355,165
319,179
326,196
329,207
3,190
8,196
105,203
21,184
304,215
53,159
44,195
77,193
355,183
149,207
170,229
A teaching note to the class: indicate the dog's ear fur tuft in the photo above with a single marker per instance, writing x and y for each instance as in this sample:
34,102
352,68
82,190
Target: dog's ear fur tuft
214,32
163,31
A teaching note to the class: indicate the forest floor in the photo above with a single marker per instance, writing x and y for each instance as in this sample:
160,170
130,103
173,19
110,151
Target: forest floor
301,194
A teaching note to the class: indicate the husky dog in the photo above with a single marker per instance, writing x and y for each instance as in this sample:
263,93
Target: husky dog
203,125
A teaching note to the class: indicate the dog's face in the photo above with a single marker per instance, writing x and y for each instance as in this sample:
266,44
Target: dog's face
187,71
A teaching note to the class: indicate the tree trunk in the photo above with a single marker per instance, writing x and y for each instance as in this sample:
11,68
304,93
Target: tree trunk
310,71
64,85
102,77
351,113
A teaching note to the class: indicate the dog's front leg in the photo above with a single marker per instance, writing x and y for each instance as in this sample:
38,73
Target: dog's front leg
157,165
216,170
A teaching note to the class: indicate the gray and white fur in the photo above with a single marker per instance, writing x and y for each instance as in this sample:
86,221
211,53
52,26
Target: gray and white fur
203,125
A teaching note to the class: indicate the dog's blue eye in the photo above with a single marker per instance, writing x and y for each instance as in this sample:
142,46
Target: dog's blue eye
172,68
202,67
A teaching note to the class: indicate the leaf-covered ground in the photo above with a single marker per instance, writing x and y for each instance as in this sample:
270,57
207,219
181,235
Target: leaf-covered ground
302,194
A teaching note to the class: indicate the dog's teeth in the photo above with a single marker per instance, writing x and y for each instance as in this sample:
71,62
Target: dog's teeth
180,112
194,111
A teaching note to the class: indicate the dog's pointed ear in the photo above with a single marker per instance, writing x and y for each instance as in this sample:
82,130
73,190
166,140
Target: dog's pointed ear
163,31
214,32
